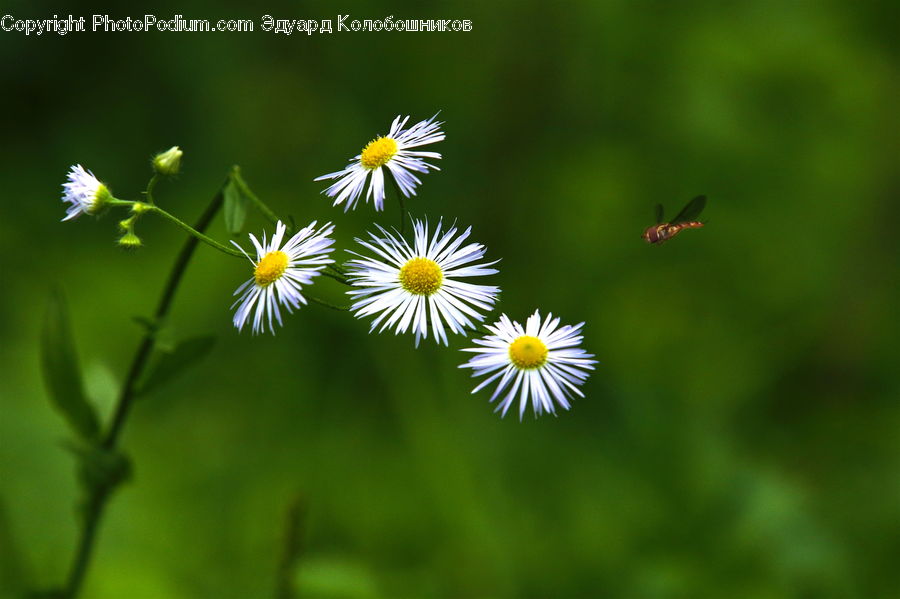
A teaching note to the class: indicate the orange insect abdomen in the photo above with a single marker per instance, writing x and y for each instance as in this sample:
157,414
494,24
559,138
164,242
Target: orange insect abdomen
673,230
664,232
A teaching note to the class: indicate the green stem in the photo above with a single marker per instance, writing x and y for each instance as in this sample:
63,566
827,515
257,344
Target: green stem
245,189
141,207
403,212
98,497
326,304
197,234
118,202
150,186
340,278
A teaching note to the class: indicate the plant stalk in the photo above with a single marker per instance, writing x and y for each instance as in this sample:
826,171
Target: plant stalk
98,497
403,212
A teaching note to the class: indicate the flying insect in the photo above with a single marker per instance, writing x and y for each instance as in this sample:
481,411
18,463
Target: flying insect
664,230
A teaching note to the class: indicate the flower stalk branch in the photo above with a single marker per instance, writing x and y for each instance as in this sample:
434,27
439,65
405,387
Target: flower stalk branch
191,230
403,213
248,193
148,193
98,496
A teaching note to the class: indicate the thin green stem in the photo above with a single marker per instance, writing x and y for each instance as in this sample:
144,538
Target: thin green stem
197,234
322,302
340,278
399,194
245,189
98,496
150,186
118,202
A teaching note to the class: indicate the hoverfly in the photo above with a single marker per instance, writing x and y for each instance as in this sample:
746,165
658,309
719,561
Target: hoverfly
663,231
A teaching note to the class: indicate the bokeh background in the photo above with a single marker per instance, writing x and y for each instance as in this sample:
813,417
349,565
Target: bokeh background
740,435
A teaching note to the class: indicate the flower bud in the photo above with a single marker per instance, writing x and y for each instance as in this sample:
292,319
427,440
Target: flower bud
128,224
130,241
168,163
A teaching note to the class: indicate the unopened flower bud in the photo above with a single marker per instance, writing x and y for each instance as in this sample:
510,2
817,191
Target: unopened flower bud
168,163
128,223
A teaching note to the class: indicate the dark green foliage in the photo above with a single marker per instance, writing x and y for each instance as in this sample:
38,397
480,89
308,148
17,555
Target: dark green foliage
170,364
235,208
62,375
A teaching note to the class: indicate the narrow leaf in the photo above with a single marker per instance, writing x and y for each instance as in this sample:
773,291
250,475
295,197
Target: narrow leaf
235,208
169,365
61,373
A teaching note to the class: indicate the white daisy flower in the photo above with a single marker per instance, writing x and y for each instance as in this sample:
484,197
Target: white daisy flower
279,274
391,151
542,361
419,286
84,192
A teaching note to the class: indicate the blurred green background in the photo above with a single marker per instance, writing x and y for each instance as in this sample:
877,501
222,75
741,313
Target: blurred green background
740,435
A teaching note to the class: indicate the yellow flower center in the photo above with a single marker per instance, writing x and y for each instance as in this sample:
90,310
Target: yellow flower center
378,152
421,276
528,352
270,268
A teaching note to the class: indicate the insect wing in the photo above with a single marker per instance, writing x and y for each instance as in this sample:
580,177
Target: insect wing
691,211
658,213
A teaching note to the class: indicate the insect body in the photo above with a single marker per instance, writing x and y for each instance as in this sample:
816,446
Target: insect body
664,231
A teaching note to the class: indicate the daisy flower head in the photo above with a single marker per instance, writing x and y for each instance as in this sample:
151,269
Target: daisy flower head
393,152
279,273
541,362
84,193
419,286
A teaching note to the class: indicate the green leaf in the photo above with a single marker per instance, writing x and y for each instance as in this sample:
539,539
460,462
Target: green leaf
168,365
235,208
335,578
61,372
13,570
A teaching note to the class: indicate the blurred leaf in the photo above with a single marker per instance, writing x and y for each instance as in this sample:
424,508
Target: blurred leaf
13,574
46,594
102,385
235,208
292,548
61,372
168,365
335,578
